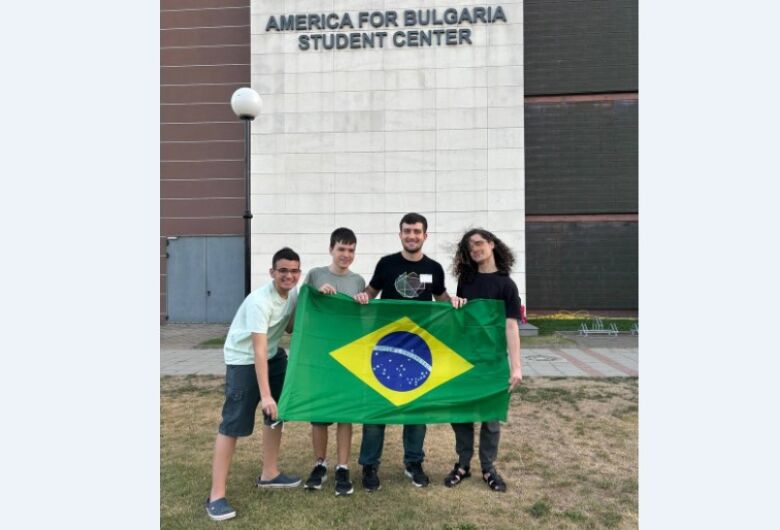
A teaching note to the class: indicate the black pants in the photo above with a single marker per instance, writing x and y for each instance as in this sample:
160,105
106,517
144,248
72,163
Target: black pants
489,435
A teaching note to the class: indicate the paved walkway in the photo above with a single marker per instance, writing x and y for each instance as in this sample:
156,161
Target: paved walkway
586,357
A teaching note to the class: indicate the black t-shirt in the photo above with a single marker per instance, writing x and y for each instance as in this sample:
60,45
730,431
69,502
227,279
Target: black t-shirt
401,279
493,285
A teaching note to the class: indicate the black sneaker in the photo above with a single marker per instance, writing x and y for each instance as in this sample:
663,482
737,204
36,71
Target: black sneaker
371,479
415,472
319,475
343,484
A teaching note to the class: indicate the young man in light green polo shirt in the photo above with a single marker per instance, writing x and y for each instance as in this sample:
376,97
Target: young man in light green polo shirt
255,369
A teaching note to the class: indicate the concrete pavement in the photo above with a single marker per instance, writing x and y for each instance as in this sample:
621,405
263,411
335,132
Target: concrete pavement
584,357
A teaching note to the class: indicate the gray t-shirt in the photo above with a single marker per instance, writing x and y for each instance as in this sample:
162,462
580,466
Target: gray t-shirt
350,283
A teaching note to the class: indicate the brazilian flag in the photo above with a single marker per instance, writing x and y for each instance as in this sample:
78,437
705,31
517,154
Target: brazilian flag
395,361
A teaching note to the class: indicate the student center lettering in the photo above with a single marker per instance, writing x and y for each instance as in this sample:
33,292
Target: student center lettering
364,20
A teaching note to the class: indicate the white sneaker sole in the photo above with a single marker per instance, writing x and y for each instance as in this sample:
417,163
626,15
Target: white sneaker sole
290,485
221,517
350,492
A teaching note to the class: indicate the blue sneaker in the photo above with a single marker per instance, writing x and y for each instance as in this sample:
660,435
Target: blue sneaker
281,481
219,510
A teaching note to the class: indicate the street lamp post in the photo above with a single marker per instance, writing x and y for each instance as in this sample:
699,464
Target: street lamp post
246,104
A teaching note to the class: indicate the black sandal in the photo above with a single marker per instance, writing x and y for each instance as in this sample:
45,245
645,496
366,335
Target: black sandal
494,480
455,476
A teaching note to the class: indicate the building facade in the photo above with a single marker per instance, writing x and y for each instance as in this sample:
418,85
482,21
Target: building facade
525,124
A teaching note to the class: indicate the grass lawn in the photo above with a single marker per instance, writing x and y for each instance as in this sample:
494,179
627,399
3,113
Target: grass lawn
568,454
213,343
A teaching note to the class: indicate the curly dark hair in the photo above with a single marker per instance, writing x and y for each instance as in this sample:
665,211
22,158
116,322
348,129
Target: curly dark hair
464,268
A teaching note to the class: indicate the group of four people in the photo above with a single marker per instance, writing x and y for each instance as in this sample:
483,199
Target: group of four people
256,365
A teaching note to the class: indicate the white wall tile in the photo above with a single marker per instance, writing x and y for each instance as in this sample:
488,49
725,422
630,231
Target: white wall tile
400,120
498,117
367,141
505,56
466,118
461,201
361,223
499,221
462,138
461,77
295,183
358,137
372,120
359,182
357,162
409,79
410,181
355,60
411,161
264,63
409,58
305,203
504,96
460,180
410,99
499,76
506,200
359,202
409,201
460,221
410,140
506,159
308,123
355,101
270,83
461,159
505,34
290,223
508,137
506,179
460,98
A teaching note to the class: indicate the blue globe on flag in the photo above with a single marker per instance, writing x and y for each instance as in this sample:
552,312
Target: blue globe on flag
401,361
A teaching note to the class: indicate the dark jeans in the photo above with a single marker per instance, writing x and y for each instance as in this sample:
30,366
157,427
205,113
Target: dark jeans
374,440
489,435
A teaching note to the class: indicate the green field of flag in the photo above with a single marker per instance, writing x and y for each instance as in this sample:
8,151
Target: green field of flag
395,361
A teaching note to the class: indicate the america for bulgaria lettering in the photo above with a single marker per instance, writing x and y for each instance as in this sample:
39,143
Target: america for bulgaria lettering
364,20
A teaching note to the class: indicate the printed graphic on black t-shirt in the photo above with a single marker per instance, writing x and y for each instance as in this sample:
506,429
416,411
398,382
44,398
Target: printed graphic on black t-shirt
493,286
400,279
409,284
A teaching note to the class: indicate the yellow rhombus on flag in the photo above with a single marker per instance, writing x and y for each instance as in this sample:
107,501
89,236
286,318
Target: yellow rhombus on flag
445,364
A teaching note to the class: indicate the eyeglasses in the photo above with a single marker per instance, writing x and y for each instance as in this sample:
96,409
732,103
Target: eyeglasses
285,270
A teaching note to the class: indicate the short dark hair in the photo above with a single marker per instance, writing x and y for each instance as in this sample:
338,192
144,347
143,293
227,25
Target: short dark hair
413,218
342,235
285,253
